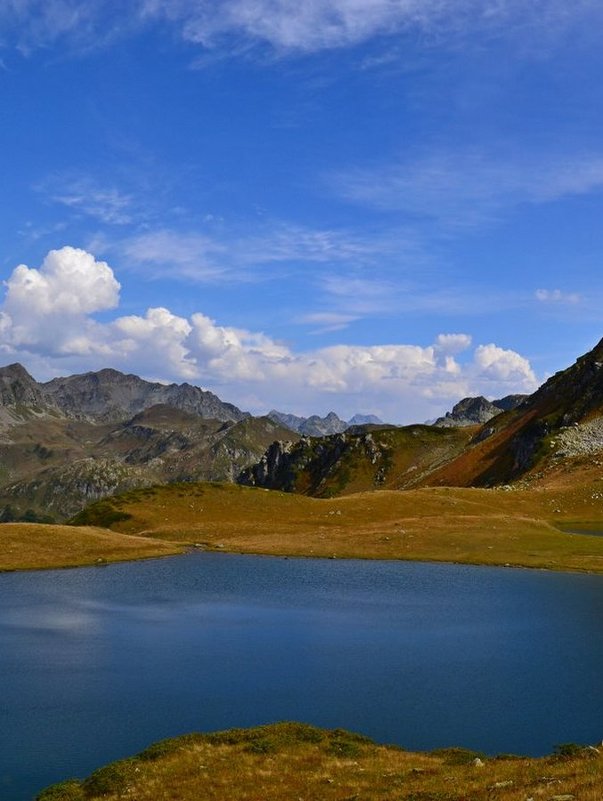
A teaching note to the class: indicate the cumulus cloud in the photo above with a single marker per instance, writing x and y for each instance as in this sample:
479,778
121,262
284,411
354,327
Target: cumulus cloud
48,309
70,281
47,320
497,366
451,344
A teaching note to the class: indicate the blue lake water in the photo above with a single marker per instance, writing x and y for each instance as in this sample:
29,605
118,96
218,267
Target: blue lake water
97,663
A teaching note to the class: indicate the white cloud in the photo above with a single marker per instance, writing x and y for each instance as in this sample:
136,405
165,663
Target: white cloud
556,296
69,282
497,366
47,320
327,321
49,309
451,344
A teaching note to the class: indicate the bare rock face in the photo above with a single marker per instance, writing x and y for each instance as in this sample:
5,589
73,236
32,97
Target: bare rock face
110,396
18,388
477,411
305,465
469,412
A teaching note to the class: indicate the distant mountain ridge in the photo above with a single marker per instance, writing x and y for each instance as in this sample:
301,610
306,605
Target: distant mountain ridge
316,426
109,395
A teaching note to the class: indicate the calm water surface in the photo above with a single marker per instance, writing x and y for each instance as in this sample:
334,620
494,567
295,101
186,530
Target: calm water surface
97,663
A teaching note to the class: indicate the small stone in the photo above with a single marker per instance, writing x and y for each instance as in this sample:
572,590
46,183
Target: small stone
500,785
565,797
477,763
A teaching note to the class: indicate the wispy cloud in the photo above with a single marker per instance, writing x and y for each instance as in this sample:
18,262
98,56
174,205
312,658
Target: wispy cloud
83,24
327,321
557,297
316,25
84,195
468,188
238,252
288,26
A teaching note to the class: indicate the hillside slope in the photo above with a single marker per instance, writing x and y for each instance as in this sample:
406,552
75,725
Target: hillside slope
553,430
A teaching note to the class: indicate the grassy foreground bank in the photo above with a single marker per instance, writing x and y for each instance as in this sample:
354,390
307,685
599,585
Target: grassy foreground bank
295,761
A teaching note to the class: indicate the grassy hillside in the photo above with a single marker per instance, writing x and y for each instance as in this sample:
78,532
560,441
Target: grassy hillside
54,466
474,526
25,546
561,420
294,761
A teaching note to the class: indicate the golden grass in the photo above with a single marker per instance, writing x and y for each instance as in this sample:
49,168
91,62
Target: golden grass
519,527
472,526
27,546
295,761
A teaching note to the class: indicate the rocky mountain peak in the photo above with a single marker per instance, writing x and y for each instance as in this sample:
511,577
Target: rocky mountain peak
109,396
18,388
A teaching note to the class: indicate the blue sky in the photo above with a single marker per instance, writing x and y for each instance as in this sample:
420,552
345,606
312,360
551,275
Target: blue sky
378,206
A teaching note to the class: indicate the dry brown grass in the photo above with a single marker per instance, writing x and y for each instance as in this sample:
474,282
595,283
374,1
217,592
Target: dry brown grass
286,762
27,546
472,526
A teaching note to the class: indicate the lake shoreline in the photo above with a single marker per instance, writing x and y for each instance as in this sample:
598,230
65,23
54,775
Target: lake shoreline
179,549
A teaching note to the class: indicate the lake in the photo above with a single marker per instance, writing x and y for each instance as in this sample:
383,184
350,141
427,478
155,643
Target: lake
97,663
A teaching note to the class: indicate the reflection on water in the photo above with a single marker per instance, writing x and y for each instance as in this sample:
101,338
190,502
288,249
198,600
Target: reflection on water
96,664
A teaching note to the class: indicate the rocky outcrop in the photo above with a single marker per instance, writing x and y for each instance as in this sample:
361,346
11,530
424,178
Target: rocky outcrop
477,411
306,465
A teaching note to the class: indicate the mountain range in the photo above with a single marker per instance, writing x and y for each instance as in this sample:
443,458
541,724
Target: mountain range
73,440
